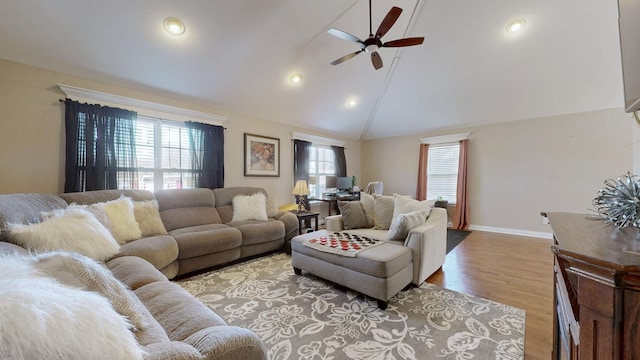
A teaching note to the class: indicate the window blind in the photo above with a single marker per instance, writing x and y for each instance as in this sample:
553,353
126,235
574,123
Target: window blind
442,171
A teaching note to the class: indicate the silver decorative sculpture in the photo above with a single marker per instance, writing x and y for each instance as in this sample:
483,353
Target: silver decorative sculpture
618,202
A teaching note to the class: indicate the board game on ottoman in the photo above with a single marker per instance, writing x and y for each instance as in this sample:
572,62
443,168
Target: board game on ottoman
374,268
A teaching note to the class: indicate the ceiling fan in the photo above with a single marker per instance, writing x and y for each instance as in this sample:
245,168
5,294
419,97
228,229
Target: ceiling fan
373,43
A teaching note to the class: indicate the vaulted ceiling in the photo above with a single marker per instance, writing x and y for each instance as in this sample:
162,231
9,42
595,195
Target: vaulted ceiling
238,55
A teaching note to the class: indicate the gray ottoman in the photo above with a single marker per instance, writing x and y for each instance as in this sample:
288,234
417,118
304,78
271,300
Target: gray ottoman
379,272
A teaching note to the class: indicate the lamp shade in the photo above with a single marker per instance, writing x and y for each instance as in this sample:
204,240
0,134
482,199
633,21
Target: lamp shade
301,188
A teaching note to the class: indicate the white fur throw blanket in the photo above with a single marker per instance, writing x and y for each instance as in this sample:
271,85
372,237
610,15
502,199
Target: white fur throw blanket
46,311
75,270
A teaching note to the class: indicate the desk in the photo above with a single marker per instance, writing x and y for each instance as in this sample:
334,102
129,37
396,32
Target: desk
333,201
303,216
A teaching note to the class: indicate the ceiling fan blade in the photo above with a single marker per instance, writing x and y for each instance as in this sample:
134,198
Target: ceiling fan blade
343,35
376,60
345,58
404,42
388,21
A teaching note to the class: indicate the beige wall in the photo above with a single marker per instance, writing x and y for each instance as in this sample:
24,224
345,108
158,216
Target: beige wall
32,133
518,169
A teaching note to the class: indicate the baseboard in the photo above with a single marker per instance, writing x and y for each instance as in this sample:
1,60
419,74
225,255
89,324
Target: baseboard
535,234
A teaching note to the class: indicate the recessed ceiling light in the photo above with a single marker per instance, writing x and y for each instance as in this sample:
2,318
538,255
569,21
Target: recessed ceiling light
351,103
295,79
516,25
174,26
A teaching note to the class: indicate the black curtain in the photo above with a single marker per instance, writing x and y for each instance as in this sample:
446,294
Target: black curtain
207,154
301,160
301,165
100,147
340,161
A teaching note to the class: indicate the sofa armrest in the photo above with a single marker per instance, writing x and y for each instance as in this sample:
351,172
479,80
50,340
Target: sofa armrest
228,343
428,242
334,223
290,224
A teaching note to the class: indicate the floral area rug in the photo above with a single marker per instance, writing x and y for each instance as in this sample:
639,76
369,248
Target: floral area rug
305,317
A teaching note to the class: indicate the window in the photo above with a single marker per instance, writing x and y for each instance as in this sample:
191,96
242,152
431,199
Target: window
442,171
163,154
321,166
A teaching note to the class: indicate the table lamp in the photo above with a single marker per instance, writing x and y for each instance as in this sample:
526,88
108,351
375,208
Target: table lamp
300,190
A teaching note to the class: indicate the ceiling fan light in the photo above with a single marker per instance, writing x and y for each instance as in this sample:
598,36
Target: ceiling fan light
174,26
516,25
295,79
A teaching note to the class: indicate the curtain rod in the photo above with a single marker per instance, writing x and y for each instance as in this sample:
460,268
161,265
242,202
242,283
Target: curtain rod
64,100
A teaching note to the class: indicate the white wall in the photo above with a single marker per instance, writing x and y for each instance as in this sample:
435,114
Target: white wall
519,169
32,136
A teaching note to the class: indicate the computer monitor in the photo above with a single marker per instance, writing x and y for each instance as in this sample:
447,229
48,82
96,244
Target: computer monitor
344,183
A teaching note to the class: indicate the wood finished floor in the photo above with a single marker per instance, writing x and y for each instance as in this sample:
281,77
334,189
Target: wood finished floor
513,270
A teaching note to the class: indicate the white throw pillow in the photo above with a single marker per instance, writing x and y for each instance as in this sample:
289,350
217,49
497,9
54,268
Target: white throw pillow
124,226
78,231
403,223
404,205
383,212
250,207
42,319
148,217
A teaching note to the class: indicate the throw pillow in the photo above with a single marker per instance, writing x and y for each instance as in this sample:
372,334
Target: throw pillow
353,216
147,216
403,223
97,211
249,207
43,319
368,205
403,205
272,207
124,226
78,231
382,212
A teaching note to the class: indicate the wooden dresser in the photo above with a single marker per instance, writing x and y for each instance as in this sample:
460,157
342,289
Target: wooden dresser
597,288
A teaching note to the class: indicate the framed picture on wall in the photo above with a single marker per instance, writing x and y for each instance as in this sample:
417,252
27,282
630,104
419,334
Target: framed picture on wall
261,155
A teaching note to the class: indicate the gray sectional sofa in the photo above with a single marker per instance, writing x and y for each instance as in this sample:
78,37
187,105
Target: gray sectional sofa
200,234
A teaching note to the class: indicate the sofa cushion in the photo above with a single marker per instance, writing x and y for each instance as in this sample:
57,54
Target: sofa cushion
206,239
403,223
250,207
180,208
160,250
78,231
257,232
25,208
353,216
134,272
98,196
179,313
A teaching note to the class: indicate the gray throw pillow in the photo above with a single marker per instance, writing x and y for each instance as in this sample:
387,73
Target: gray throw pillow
353,216
403,223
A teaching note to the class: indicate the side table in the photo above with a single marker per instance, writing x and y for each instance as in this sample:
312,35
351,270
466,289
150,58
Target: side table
303,216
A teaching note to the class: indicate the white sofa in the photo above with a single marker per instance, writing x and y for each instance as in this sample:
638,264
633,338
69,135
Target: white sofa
428,241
